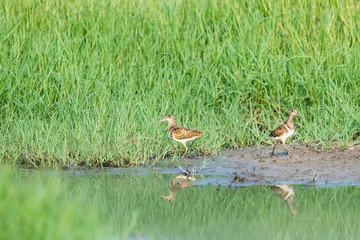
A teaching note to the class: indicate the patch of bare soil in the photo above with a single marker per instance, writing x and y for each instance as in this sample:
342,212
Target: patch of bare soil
307,165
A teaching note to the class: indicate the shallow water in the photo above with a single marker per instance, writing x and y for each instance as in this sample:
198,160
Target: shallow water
254,166
137,203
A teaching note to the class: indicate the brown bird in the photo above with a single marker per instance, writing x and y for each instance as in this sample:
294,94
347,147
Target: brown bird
176,184
286,193
180,134
285,130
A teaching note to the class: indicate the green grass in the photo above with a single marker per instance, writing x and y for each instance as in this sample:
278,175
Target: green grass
87,80
38,205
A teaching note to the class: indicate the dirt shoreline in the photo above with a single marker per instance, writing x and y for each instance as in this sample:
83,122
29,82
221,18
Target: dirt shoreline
254,166
307,165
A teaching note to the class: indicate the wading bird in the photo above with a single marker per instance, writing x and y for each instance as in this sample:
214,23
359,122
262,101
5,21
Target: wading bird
180,134
284,131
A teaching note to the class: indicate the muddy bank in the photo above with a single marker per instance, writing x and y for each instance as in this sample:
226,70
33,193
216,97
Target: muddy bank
307,165
254,166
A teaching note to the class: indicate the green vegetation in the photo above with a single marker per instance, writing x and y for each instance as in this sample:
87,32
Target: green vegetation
34,206
37,206
87,80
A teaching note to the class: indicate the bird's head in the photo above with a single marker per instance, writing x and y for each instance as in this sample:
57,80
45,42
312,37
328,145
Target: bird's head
168,118
293,112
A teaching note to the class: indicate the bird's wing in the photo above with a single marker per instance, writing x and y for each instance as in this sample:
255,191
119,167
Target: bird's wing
280,130
184,133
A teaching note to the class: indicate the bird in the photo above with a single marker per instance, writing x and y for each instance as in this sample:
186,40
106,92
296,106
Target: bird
285,130
180,134
286,193
177,183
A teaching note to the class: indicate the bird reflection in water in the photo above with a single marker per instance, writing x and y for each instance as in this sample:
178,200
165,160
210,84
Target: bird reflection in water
286,193
177,183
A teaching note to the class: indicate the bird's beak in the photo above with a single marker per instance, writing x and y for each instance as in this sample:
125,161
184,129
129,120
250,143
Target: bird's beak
298,115
160,121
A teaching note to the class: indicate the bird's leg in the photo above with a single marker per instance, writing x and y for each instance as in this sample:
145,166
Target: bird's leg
185,151
287,152
272,154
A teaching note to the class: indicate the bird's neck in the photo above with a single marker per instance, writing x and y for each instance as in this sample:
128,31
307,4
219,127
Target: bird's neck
171,125
290,122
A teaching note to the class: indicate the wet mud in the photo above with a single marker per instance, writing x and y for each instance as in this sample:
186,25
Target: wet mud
307,165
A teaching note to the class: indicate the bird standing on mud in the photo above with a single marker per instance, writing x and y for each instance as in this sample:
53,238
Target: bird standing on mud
284,131
180,134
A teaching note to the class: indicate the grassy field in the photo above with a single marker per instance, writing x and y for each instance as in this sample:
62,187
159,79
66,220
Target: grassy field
86,80
35,205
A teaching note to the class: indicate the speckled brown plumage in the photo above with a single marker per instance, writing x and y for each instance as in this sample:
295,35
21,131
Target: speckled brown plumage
285,130
280,130
180,134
